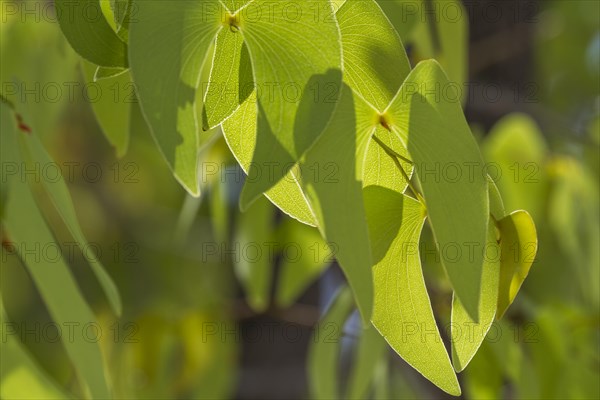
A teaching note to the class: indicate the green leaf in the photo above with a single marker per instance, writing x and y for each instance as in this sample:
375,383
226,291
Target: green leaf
299,270
298,80
324,352
87,30
369,353
467,335
428,118
112,106
442,33
106,72
26,227
240,133
380,169
21,376
517,152
518,239
255,246
375,63
230,81
337,199
61,199
168,46
402,312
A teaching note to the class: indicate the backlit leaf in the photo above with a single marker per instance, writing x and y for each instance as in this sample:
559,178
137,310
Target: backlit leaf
375,63
298,82
89,33
240,133
337,200
402,312
61,199
324,353
466,334
25,228
518,239
168,46
427,116
254,261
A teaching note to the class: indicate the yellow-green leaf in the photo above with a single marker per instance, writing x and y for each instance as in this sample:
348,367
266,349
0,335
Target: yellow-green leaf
427,116
518,239
402,312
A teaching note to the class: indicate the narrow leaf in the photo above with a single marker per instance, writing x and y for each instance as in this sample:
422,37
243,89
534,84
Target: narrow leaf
518,239
240,133
427,116
402,312
255,258
168,46
375,63
324,352
61,199
337,200
26,227
230,81
89,33
113,106
309,256
467,335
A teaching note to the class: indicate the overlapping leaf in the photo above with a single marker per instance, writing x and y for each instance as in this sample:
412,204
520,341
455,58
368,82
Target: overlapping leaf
428,118
467,335
240,132
337,201
518,240
323,356
26,226
168,46
254,261
89,33
18,370
375,63
402,312
61,199
301,269
297,80
112,106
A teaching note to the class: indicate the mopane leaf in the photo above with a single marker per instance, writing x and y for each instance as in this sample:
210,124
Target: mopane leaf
61,199
112,106
107,72
89,33
370,351
518,239
19,373
253,265
380,168
402,312
25,228
230,81
466,334
168,46
323,355
441,36
337,198
240,133
427,116
302,266
296,60
375,63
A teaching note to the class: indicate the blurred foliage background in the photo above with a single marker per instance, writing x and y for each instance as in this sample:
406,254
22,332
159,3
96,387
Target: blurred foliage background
201,321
